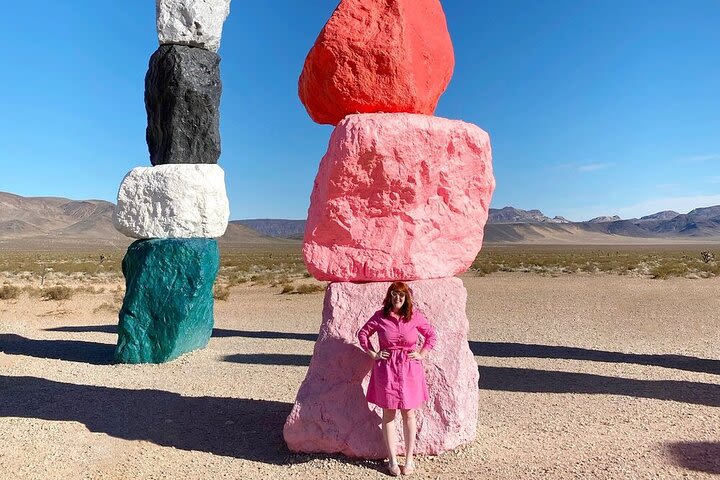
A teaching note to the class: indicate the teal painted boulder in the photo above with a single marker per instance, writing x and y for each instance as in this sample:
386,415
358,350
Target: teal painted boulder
168,305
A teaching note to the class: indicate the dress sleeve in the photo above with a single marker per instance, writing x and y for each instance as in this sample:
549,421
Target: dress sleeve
427,331
366,331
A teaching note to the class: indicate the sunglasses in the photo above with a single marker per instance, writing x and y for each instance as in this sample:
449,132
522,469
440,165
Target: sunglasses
397,294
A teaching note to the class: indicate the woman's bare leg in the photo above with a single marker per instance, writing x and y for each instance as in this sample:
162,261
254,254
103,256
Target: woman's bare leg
389,435
409,430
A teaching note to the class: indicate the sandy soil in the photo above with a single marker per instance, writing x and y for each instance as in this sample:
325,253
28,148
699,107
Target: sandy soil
581,377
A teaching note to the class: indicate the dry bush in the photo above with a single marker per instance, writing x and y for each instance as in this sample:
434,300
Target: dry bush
281,280
107,307
221,292
235,279
669,269
309,288
58,292
33,292
287,288
9,292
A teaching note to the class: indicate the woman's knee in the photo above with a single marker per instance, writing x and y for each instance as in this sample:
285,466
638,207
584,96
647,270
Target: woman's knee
388,414
408,414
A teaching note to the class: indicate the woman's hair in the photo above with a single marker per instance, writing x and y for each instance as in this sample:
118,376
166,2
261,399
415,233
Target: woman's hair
406,311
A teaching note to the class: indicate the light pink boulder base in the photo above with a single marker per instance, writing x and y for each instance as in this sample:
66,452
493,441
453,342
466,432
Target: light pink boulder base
331,413
399,197
397,381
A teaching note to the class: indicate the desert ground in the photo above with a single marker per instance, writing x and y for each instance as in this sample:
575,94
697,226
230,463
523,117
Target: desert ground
583,375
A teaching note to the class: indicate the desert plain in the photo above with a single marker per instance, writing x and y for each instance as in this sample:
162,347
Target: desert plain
603,373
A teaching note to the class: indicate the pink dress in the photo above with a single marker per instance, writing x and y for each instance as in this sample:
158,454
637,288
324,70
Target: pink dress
397,381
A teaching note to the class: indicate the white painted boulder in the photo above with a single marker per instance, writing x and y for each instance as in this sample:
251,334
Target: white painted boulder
173,201
331,413
196,23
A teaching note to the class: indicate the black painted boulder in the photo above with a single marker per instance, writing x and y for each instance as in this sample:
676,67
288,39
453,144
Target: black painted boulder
168,306
182,99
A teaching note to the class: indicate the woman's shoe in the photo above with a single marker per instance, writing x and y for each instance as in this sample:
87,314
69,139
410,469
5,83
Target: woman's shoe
393,469
408,468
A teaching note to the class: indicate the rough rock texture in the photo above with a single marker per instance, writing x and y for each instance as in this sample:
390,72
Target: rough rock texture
182,99
173,201
331,414
399,196
378,56
168,306
197,23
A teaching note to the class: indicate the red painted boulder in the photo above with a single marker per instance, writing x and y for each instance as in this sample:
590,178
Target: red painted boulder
378,56
331,414
399,197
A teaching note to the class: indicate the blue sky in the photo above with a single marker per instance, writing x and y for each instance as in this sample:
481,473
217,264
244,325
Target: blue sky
593,107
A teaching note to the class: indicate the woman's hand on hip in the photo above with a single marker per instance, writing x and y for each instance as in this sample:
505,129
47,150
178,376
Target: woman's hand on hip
416,355
381,355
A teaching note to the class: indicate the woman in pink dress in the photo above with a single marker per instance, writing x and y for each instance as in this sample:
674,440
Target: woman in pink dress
397,381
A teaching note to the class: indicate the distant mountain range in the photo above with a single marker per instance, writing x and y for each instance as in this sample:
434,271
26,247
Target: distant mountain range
515,225
48,222
53,221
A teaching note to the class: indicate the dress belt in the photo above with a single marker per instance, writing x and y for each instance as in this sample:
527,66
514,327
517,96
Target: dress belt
406,349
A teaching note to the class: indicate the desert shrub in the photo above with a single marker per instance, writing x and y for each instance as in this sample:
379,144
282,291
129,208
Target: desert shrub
484,268
8,292
287,288
711,268
669,269
235,279
221,292
107,307
309,288
281,280
58,292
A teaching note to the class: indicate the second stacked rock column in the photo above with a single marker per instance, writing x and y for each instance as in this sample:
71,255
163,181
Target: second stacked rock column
177,207
398,196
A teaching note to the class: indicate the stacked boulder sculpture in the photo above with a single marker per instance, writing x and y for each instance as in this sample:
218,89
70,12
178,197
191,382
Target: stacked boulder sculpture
177,207
399,195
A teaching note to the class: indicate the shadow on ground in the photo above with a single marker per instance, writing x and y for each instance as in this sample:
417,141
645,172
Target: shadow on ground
69,350
217,332
233,427
270,359
547,381
516,350
697,456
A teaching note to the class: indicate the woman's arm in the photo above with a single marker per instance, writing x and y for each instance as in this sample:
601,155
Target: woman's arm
428,333
364,335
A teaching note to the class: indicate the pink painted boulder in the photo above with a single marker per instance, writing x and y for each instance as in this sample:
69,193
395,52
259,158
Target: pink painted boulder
399,197
378,56
331,414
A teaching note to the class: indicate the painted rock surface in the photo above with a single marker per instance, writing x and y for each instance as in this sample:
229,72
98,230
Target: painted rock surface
168,305
331,413
182,100
399,197
173,201
197,23
378,56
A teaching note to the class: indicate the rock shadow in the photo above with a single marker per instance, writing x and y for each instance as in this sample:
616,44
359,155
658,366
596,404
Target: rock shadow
85,329
232,427
69,350
546,381
220,332
217,332
696,456
515,350
270,359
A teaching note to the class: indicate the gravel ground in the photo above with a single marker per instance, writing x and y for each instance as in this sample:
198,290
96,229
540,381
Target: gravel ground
581,376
